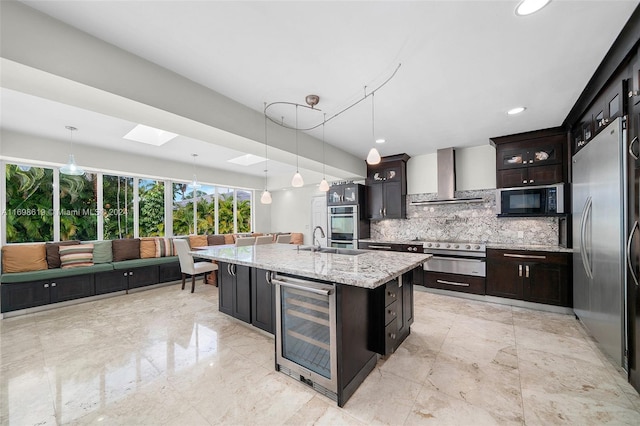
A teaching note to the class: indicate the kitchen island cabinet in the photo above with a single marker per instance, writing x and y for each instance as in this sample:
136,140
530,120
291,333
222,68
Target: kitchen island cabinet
335,312
234,291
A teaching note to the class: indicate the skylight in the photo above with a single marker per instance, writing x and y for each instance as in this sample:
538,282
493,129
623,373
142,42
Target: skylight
247,160
149,135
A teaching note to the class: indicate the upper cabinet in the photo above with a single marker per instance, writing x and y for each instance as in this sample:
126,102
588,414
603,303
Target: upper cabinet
387,188
343,194
531,159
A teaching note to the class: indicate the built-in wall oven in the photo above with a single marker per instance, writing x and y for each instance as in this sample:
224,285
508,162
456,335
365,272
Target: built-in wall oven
343,226
458,266
306,332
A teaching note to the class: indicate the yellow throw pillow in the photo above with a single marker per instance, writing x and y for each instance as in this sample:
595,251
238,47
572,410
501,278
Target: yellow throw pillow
24,258
147,247
197,241
229,239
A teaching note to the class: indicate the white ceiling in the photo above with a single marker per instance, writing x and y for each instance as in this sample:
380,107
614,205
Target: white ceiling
463,64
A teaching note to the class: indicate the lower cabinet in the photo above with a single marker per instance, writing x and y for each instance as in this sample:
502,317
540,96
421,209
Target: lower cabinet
263,301
533,276
169,272
110,281
142,277
234,290
37,293
395,301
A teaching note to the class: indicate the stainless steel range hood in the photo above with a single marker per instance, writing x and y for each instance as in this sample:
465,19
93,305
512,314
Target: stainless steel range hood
447,181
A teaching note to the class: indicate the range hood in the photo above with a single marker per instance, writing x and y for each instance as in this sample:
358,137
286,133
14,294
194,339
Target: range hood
447,181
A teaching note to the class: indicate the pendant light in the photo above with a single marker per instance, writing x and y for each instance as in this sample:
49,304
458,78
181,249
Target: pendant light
374,155
324,185
71,168
297,180
195,183
266,195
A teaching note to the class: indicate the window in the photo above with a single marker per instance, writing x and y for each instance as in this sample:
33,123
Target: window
78,201
243,210
151,217
206,206
29,206
225,211
182,209
118,207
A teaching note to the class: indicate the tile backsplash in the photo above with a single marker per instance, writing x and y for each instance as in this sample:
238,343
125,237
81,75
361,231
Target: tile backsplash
475,221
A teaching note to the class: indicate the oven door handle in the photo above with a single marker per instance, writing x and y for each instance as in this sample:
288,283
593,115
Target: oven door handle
456,259
303,285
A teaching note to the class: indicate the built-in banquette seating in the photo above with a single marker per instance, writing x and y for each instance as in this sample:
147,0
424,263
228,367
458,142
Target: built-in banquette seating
39,274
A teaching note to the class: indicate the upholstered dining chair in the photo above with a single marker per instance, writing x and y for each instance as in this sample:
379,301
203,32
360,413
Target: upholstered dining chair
245,241
188,266
284,238
264,239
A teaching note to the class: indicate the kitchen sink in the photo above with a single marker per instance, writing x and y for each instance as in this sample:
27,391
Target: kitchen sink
334,250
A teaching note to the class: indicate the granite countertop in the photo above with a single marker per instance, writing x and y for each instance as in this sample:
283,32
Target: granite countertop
370,240
504,246
370,269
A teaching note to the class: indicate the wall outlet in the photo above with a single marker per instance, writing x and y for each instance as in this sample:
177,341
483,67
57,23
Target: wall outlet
520,234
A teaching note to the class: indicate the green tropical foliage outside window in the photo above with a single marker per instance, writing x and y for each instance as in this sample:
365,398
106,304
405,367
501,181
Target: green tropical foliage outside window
78,212
182,209
29,205
151,222
118,207
243,211
206,206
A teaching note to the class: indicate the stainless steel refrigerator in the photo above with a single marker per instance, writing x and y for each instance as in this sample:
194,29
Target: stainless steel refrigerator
599,234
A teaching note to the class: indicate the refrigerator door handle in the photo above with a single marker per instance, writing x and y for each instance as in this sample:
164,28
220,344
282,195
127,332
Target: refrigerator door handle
631,153
629,262
583,231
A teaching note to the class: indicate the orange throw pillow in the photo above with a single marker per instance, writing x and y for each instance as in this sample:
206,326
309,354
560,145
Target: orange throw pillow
24,258
147,247
197,241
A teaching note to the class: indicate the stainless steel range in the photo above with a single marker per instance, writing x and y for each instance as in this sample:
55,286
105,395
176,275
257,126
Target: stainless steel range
459,266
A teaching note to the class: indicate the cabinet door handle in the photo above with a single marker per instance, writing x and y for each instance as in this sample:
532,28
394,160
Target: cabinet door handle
53,284
530,161
384,211
233,269
453,283
392,312
380,212
379,247
526,271
524,181
124,274
519,270
131,273
267,276
631,153
392,335
391,294
46,286
524,256
530,180
229,268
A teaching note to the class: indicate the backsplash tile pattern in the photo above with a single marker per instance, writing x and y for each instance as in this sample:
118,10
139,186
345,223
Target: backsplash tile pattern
475,222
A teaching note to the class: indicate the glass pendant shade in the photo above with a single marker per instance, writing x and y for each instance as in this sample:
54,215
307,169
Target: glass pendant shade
324,185
195,183
266,197
373,157
297,180
71,168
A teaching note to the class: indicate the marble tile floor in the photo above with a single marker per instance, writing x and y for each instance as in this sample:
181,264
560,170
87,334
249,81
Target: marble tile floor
168,357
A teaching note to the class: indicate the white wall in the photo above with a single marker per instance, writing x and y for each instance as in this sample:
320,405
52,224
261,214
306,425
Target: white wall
291,210
475,169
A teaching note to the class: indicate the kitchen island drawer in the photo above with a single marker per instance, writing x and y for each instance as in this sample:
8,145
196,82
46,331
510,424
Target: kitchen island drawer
455,282
390,312
391,292
391,337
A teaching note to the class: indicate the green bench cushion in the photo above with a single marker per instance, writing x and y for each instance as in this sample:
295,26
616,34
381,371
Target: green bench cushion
138,263
47,274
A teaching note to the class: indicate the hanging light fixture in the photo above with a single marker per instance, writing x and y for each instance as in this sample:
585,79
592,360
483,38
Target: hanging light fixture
297,180
195,183
374,155
71,168
266,195
324,185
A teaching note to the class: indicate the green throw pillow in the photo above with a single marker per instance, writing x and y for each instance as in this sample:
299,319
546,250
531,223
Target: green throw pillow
101,251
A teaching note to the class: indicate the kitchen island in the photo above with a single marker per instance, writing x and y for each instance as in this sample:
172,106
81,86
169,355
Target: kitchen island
334,313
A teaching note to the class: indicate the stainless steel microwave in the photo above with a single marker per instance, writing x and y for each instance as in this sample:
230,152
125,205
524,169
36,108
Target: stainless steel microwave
543,200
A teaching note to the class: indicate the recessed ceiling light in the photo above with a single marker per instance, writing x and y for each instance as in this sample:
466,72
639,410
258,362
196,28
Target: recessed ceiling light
527,7
247,160
380,140
516,110
149,135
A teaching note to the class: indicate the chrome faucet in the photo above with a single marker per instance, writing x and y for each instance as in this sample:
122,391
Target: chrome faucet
316,242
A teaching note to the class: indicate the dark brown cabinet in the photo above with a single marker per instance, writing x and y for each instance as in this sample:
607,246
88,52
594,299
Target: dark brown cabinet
142,277
110,281
345,194
262,300
234,291
387,188
531,159
31,294
533,276
455,282
395,300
